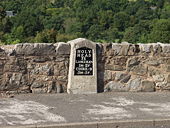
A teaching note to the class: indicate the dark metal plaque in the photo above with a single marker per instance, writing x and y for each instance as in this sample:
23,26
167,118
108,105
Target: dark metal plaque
84,61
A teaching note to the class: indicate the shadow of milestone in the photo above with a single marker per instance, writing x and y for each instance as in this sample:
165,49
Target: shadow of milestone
100,69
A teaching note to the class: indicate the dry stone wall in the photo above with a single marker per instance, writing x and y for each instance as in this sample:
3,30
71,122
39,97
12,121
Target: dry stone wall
36,68
43,68
141,67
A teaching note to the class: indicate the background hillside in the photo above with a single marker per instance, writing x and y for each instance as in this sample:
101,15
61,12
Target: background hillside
135,21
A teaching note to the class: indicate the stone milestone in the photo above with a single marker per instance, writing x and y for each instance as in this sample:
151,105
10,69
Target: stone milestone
82,78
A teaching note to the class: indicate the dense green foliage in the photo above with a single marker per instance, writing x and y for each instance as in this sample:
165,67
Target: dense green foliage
135,21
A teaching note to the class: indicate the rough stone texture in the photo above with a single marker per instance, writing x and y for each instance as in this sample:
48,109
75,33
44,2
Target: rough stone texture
148,86
135,85
122,77
63,48
43,68
116,86
35,68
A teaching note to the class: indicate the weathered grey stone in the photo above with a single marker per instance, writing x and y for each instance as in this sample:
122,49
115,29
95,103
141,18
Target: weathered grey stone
148,86
133,62
39,90
157,48
167,87
125,79
165,48
63,48
138,70
152,71
107,75
41,59
8,49
135,85
158,78
132,50
118,68
124,49
43,69
146,48
35,49
107,49
168,68
62,78
37,85
116,87
25,88
122,77
154,62
168,78
160,85
168,61
116,48
121,61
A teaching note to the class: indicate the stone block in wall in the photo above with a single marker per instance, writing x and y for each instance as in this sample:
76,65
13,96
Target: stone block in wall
124,49
61,58
133,62
153,62
133,49
168,68
168,61
39,90
63,48
114,67
108,76
107,50
135,85
61,69
42,69
152,71
145,48
40,59
42,86
138,69
162,86
157,48
13,81
116,87
2,64
165,48
116,49
15,65
168,78
122,77
167,87
158,77
24,89
37,49
148,86
8,50
136,66
120,61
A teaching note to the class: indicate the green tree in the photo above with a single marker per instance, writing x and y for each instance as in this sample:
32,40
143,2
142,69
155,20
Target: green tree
160,31
121,20
139,33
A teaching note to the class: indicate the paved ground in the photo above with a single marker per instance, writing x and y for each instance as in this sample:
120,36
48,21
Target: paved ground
52,109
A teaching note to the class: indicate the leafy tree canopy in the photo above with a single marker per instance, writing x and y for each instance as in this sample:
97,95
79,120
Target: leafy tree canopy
50,21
